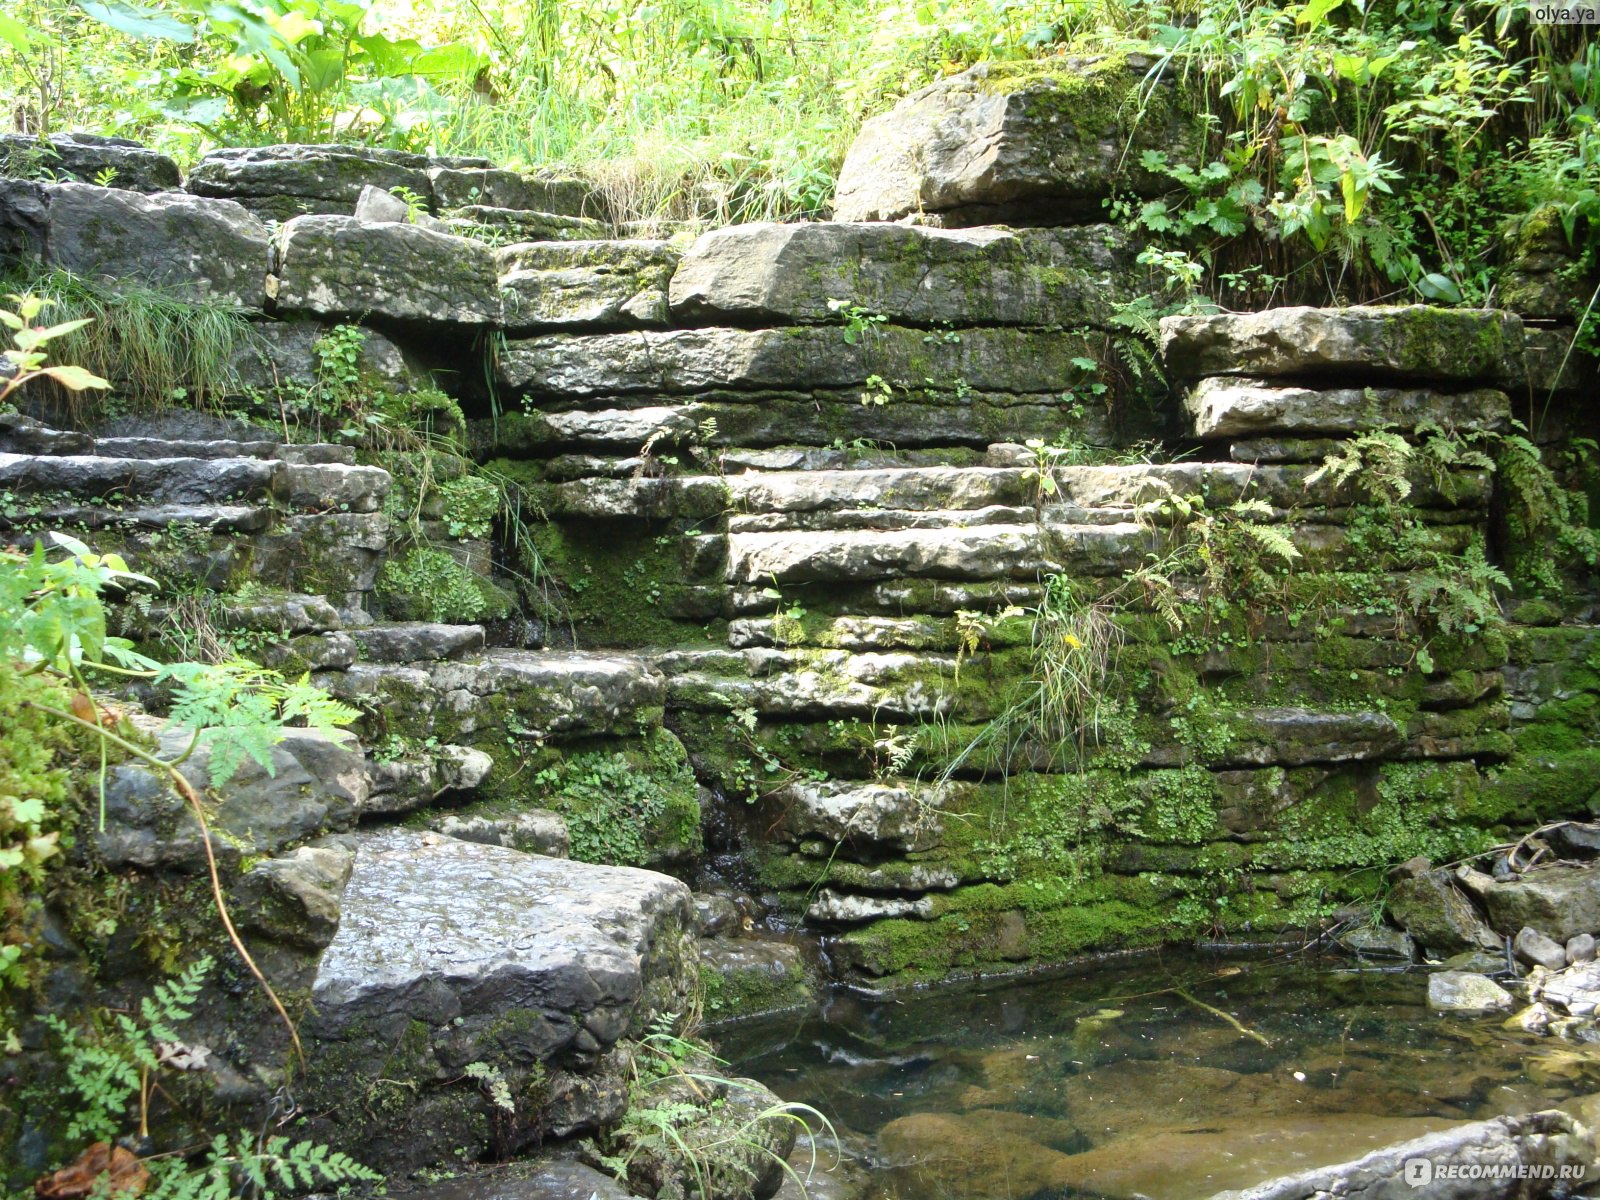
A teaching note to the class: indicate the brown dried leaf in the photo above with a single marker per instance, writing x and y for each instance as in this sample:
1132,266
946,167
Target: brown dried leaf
121,1169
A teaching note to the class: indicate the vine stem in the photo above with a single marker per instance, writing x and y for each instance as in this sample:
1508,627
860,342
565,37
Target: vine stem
192,798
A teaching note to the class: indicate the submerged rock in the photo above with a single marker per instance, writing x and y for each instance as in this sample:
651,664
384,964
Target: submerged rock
1460,991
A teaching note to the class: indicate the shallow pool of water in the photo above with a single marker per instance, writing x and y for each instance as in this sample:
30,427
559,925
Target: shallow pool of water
1172,1077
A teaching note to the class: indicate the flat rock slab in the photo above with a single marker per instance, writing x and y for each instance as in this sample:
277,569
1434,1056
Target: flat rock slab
794,272
698,360
1403,342
1223,407
620,285
896,819
539,1181
155,480
1032,143
542,191
331,266
204,251
475,941
84,158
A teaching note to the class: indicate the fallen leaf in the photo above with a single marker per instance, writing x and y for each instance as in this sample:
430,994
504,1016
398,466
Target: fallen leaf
121,1169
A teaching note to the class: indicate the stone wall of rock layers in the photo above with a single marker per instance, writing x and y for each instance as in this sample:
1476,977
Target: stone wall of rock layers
876,580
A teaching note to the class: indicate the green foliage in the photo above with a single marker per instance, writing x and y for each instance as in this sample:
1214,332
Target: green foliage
425,584
112,1070
624,809
159,351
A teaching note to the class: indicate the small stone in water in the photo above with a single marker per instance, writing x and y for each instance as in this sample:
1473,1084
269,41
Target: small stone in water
1581,948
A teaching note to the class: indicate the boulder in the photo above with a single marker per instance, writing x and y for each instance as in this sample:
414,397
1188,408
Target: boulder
400,785
798,272
1460,991
316,784
1438,916
601,284
1561,901
1408,342
697,360
88,158
24,221
1381,941
1534,948
199,250
1518,1157
1225,407
1038,142
1580,949
340,267
451,953
378,207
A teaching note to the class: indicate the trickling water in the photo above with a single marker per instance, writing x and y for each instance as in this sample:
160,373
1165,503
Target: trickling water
1171,1077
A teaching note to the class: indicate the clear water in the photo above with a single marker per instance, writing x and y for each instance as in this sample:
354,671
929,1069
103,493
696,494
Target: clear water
1172,1077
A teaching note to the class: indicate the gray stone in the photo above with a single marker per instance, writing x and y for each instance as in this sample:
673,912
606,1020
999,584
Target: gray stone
1533,947
330,486
541,192
582,283
894,818
1399,342
158,480
205,251
533,830
1380,941
1561,901
1546,1141
1226,407
21,434
416,641
87,158
833,907
460,937
519,225
1292,737
797,272
1580,949
316,784
341,267
756,975
1434,912
1575,990
716,913
24,221
295,899
285,180
1458,991
1030,143
311,652
379,207
696,360
402,785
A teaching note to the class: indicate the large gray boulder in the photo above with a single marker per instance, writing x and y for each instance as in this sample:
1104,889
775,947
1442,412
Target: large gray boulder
24,221
1022,143
1402,342
205,251
694,360
1225,407
330,266
1521,1157
452,953
910,274
281,182
563,284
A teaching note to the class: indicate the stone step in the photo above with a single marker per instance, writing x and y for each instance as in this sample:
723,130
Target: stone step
989,552
415,641
213,518
816,684
495,694
1224,407
885,519
412,781
323,486
287,615
200,481
153,447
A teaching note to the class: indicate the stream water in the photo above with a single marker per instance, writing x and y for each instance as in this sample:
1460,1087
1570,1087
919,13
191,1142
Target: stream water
1171,1077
